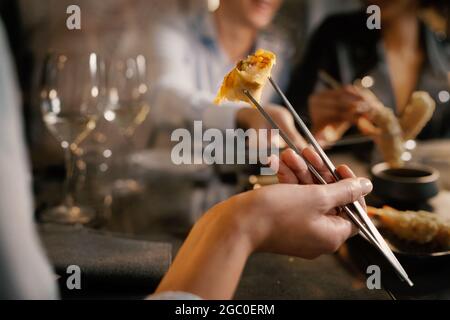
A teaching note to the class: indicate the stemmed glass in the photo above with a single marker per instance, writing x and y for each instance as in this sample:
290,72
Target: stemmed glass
127,106
72,91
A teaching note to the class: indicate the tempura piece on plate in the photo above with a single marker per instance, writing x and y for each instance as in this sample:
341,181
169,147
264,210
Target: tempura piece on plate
417,114
250,74
420,227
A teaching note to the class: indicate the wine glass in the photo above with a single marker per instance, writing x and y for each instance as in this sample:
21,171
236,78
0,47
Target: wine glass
72,88
127,106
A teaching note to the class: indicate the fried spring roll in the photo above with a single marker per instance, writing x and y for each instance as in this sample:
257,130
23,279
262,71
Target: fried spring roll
250,74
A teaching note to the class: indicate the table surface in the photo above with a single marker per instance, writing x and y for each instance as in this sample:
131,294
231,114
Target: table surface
170,205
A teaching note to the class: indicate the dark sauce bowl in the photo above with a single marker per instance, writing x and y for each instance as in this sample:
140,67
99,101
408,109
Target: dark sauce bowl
413,183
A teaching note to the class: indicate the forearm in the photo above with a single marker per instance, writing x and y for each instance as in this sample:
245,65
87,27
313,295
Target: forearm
302,222
212,259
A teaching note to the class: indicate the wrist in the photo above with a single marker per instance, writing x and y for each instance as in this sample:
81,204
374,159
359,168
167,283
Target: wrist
243,218
216,250
227,224
250,213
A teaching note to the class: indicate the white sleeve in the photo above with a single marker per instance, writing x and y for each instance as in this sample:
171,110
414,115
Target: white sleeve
24,270
167,296
174,96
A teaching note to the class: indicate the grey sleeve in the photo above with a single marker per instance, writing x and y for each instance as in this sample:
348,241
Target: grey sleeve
24,270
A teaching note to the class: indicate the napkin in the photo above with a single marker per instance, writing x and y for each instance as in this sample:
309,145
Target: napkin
107,262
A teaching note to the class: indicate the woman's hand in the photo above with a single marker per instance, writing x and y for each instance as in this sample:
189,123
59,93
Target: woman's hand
334,111
307,223
296,220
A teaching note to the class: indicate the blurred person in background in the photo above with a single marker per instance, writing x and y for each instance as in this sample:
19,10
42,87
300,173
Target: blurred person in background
192,49
188,48
403,57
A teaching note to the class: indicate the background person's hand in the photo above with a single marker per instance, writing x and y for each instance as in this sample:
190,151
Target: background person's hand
251,118
334,111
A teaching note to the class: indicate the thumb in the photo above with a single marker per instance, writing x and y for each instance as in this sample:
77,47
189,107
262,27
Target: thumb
347,191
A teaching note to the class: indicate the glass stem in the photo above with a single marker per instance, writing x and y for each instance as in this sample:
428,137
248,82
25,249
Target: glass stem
128,152
69,199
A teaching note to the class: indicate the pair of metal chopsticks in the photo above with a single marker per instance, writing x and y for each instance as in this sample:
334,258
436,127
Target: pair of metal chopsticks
354,211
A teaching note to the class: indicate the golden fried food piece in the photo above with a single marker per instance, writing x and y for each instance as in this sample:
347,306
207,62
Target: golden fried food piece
250,74
388,131
417,114
421,227
382,125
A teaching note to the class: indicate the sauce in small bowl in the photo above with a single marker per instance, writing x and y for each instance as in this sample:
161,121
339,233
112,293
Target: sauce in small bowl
411,184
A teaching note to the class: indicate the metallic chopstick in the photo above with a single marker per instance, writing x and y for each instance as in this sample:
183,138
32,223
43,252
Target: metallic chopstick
356,205
329,80
362,228
312,140
325,77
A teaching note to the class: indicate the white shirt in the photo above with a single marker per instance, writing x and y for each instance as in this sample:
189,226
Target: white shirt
187,66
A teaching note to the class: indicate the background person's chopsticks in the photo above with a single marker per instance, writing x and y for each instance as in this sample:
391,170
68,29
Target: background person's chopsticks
364,223
329,80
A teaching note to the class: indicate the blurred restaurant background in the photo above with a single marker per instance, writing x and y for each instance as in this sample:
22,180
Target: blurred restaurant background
119,28
123,176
